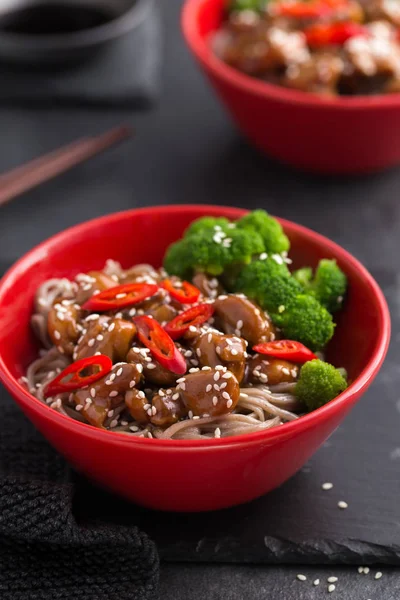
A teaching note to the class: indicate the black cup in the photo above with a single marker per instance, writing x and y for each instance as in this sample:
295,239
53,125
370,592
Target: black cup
55,32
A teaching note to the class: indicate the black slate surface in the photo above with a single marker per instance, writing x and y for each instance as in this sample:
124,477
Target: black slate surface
217,582
188,151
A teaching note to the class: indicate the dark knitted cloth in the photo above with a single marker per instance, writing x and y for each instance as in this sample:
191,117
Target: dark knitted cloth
48,551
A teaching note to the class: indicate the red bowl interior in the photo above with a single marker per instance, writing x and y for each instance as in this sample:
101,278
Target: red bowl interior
304,129
136,236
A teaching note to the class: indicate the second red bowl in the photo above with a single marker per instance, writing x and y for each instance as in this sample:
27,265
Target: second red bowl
338,135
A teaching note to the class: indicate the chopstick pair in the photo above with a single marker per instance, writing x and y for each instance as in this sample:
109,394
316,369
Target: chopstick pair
42,169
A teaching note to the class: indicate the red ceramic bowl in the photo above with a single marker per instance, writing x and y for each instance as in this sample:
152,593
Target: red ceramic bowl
340,135
184,475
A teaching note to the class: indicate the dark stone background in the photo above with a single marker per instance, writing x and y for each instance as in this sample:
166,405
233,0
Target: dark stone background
186,150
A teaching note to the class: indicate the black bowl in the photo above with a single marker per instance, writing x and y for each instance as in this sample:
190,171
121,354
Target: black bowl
51,32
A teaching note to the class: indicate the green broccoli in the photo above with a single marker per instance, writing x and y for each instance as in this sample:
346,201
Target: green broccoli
269,283
270,230
239,5
205,223
306,321
212,251
304,276
319,383
329,285
176,260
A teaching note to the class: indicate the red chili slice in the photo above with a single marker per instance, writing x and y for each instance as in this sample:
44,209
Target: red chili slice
193,316
185,294
304,10
336,34
162,347
287,349
121,296
76,381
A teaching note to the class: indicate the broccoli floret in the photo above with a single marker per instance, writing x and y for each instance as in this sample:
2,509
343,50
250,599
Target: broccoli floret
271,231
256,5
205,223
269,283
319,383
176,260
213,251
306,321
329,285
304,276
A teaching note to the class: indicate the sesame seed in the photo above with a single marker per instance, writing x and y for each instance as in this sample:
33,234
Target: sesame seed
215,400
132,384
93,392
110,413
378,575
223,385
222,297
153,410
114,423
293,373
342,504
301,577
188,353
285,370
327,486
141,394
120,296
147,406
190,414
216,387
194,370
331,588
150,412
227,375
61,349
60,316
366,570
91,342
198,352
151,366
209,338
118,315
220,368
217,349
78,407
110,329
234,352
316,582
360,570
216,376
332,579
181,380
217,432
57,335
192,328
226,395
239,324
229,403
196,417
264,378
139,368
181,386
209,387
206,368
92,317
134,428
112,377
175,397
120,371
113,394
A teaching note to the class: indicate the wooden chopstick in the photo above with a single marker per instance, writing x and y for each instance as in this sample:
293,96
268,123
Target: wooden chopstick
24,178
